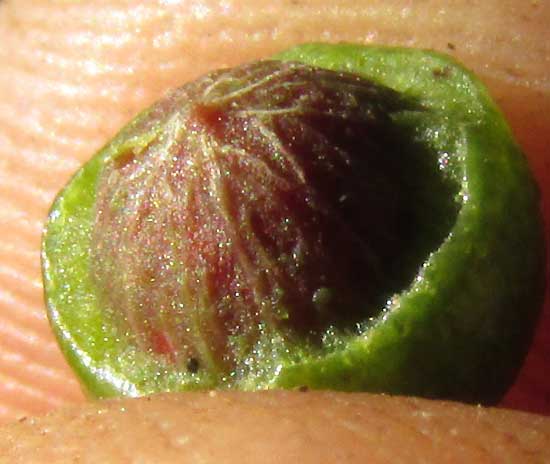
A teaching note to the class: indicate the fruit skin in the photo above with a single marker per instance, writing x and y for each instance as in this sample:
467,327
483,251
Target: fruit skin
462,328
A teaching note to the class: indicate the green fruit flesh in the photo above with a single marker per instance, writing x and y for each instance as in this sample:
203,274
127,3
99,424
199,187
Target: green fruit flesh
452,319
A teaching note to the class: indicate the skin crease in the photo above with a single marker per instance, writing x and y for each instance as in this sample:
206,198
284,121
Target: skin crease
74,72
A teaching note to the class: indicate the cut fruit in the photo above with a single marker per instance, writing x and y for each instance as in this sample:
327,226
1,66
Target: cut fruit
404,256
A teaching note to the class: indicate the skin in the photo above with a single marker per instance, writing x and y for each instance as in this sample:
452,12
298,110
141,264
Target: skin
273,428
69,83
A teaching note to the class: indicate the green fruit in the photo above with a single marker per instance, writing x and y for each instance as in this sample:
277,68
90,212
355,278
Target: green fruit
361,221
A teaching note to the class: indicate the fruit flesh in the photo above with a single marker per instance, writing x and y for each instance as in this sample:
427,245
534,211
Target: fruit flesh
75,109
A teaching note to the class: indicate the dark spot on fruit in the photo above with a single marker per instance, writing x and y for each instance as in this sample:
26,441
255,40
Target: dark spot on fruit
192,365
441,72
124,159
209,118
